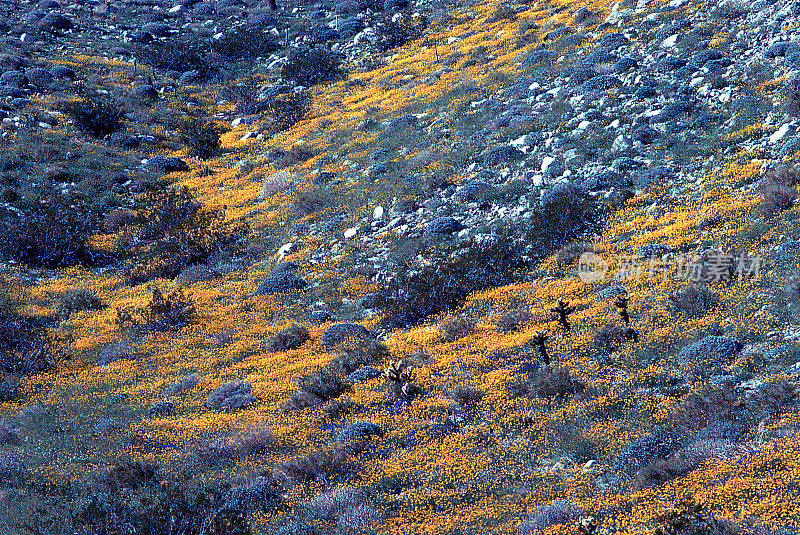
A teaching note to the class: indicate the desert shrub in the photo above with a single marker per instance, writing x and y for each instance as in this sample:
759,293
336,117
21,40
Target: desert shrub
245,43
253,439
175,55
661,471
129,475
245,95
230,397
566,212
558,512
322,465
284,111
291,337
573,251
693,300
552,383
354,353
182,385
644,450
773,398
611,338
349,507
503,12
297,154
456,327
97,117
9,390
689,518
466,396
77,300
513,320
392,34
337,333
116,351
414,294
778,189
25,345
164,508
310,66
315,389
175,231
359,430
339,407
201,137
712,404
47,231
167,312
791,98
309,202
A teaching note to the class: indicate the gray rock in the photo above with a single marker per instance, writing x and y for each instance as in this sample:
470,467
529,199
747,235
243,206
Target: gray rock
55,21
62,72
443,225
41,78
147,92
167,164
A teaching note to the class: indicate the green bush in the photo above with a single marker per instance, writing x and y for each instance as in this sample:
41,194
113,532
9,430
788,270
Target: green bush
245,43
25,345
311,66
77,300
201,137
175,55
174,231
417,293
96,117
47,231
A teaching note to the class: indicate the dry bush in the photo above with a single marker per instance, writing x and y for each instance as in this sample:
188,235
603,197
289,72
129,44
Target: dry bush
573,251
354,353
514,319
339,407
660,471
317,388
250,440
611,338
549,383
419,358
503,12
291,337
456,327
319,465
791,98
773,398
128,475
168,313
77,300
465,396
708,406
778,190
693,300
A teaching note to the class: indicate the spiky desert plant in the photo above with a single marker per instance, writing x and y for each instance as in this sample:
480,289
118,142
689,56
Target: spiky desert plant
561,312
539,338
621,302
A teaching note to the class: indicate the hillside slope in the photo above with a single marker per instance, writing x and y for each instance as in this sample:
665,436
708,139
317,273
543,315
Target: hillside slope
389,268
